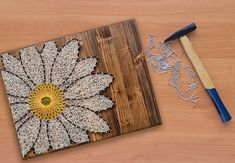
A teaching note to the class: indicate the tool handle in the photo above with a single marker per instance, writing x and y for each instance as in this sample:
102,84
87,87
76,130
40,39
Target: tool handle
223,112
205,79
197,64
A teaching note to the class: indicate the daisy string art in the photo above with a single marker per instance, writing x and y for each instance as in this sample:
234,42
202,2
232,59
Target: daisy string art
54,96
63,93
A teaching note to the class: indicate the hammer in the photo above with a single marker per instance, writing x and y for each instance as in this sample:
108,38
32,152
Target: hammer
201,71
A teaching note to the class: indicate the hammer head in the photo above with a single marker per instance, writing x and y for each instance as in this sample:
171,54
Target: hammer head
181,32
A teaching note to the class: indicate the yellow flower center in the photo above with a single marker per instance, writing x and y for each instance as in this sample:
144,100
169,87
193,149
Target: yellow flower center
47,101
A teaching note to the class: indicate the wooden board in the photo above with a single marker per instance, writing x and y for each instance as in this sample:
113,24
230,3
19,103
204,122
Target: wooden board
119,51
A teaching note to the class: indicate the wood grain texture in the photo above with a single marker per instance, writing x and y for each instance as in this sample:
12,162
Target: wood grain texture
187,135
117,48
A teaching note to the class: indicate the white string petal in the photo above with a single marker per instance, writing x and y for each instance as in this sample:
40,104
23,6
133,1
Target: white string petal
96,103
32,63
86,119
14,65
14,85
22,120
65,62
76,134
89,86
19,110
42,144
83,67
57,134
48,54
27,134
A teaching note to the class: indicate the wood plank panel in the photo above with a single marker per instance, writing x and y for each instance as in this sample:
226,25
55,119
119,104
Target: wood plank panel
118,47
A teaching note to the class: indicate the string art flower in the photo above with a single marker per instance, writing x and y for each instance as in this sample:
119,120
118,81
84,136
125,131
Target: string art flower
54,96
